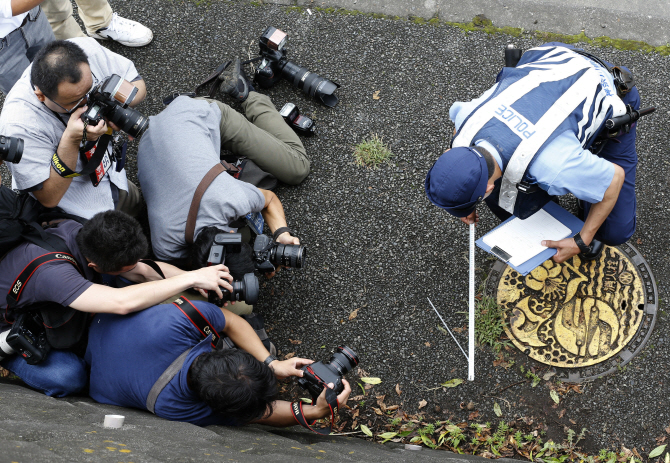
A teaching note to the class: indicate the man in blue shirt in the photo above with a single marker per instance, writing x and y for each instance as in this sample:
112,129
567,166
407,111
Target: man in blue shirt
127,355
534,128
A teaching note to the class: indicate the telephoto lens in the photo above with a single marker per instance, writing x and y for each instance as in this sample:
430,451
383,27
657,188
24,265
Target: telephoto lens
289,255
311,83
11,149
319,374
131,121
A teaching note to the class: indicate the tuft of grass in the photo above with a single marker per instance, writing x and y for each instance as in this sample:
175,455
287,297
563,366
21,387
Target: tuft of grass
488,321
372,152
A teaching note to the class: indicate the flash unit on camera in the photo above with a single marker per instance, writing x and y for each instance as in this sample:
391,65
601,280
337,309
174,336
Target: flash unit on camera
301,124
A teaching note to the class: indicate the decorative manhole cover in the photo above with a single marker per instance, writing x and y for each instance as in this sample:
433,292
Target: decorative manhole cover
585,318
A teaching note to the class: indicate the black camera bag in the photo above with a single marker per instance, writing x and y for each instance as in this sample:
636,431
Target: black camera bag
21,216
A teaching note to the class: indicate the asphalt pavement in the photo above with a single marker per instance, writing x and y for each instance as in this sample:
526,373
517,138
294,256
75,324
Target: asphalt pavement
375,243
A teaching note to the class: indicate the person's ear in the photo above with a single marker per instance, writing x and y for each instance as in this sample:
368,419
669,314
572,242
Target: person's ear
40,96
94,267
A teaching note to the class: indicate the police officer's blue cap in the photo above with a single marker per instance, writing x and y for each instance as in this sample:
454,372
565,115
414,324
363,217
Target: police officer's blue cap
457,181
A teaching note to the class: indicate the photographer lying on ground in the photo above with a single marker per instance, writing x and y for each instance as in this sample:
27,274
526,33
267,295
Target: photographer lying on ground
209,386
183,144
60,287
45,107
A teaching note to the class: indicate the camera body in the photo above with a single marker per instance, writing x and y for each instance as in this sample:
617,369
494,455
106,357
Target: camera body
319,374
275,65
269,254
247,289
28,338
11,149
110,100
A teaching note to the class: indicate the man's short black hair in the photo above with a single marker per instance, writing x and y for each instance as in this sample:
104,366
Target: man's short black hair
239,264
490,161
112,240
234,384
57,62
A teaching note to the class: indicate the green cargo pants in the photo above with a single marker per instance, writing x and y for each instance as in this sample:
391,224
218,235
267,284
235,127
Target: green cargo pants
263,136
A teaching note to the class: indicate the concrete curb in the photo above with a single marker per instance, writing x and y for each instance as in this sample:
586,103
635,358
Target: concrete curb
646,21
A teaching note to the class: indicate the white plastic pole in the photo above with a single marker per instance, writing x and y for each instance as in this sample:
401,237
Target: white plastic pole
471,322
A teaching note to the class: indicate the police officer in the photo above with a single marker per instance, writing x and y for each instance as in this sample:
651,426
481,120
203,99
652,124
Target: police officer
527,138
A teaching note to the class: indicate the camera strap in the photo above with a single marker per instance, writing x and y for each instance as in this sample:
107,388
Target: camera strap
198,319
209,177
296,409
91,166
211,83
16,289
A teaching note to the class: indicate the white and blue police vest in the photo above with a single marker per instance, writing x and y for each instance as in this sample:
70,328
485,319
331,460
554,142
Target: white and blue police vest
552,90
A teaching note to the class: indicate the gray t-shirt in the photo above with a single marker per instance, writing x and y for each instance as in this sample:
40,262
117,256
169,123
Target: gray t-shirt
181,145
24,116
56,281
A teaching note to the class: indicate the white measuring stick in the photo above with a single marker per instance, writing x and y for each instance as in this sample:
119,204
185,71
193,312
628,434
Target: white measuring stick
471,322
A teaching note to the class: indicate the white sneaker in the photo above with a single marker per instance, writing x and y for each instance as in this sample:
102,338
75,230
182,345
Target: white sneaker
126,32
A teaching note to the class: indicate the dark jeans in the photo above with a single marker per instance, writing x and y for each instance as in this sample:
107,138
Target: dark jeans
20,46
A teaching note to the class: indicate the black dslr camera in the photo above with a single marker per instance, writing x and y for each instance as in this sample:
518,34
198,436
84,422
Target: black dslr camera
110,100
275,65
317,375
243,290
28,338
268,254
11,149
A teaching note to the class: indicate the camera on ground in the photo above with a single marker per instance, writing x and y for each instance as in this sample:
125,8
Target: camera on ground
110,100
274,65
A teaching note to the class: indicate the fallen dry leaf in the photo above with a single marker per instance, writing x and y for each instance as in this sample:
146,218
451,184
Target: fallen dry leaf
375,95
667,429
561,414
472,416
294,341
392,407
289,355
378,411
427,344
422,404
355,414
573,421
398,391
358,397
353,314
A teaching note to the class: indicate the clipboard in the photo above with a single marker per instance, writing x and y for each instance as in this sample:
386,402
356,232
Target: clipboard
556,211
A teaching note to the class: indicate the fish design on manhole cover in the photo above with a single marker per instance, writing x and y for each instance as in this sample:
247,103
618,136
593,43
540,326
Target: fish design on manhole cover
574,314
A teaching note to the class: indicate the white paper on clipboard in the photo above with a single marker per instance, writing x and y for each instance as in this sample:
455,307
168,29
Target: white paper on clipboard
521,239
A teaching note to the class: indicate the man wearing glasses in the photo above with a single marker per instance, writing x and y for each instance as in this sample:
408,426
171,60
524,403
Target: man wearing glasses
44,108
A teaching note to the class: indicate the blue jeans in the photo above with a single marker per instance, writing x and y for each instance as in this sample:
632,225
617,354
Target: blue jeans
60,374
20,46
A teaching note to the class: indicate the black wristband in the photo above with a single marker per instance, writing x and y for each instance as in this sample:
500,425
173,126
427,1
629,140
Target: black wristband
271,358
583,247
281,230
60,167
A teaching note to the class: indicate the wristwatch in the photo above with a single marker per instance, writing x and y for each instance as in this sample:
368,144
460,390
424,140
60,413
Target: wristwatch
271,358
583,247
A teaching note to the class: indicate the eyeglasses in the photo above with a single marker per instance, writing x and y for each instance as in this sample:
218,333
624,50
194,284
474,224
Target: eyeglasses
81,100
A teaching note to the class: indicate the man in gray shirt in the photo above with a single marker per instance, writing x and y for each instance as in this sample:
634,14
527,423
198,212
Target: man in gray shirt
44,109
184,142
